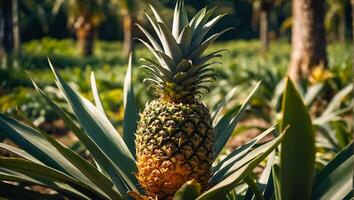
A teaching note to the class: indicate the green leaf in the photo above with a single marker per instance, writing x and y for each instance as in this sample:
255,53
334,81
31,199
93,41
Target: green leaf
86,168
169,43
188,191
337,99
312,93
240,152
201,32
196,53
96,95
297,155
150,38
99,129
19,152
221,105
184,39
180,19
66,190
341,132
254,188
334,181
156,54
167,61
197,18
234,164
100,157
224,128
11,191
266,179
276,181
228,183
265,182
154,24
37,146
38,171
156,14
130,111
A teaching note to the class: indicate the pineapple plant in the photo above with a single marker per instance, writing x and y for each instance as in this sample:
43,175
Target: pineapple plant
185,149
42,161
175,136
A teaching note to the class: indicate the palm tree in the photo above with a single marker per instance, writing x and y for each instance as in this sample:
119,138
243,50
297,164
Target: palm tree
261,16
129,11
84,16
308,38
9,32
127,8
261,9
336,13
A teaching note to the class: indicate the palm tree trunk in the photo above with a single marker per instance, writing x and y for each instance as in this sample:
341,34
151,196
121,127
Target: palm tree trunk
263,30
352,2
128,37
308,38
16,29
85,38
6,34
2,30
341,28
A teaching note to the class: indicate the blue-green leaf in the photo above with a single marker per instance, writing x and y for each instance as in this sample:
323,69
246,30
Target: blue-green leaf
37,146
96,95
239,172
100,157
130,111
99,129
10,191
226,125
335,180
38,171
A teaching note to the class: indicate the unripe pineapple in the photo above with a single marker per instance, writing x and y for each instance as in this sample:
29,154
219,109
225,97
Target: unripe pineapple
174,140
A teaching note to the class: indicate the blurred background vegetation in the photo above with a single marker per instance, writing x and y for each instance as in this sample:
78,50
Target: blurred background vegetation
81,36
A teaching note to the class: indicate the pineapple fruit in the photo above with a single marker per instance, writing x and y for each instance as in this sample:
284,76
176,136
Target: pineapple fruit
174,142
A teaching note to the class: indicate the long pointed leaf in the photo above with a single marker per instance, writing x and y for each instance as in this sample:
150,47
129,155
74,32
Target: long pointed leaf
10,191
35,144
100,157
297,155
223,133
95,94
130,111
334,181
36,171
226,185
99,129
169,43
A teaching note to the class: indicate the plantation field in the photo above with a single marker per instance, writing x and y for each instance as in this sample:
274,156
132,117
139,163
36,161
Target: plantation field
165,100
243,65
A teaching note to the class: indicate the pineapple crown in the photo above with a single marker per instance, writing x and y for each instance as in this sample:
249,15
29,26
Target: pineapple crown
182,71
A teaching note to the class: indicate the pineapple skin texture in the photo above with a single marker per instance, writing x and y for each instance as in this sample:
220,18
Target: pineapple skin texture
174,144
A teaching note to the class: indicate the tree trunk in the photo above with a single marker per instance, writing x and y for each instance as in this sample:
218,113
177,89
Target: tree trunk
263,30
352,2
6,35
341,28
2,30
85,37
308,38
128,37
16,29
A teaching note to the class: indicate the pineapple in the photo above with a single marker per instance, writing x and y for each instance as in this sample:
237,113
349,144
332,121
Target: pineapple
174,142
